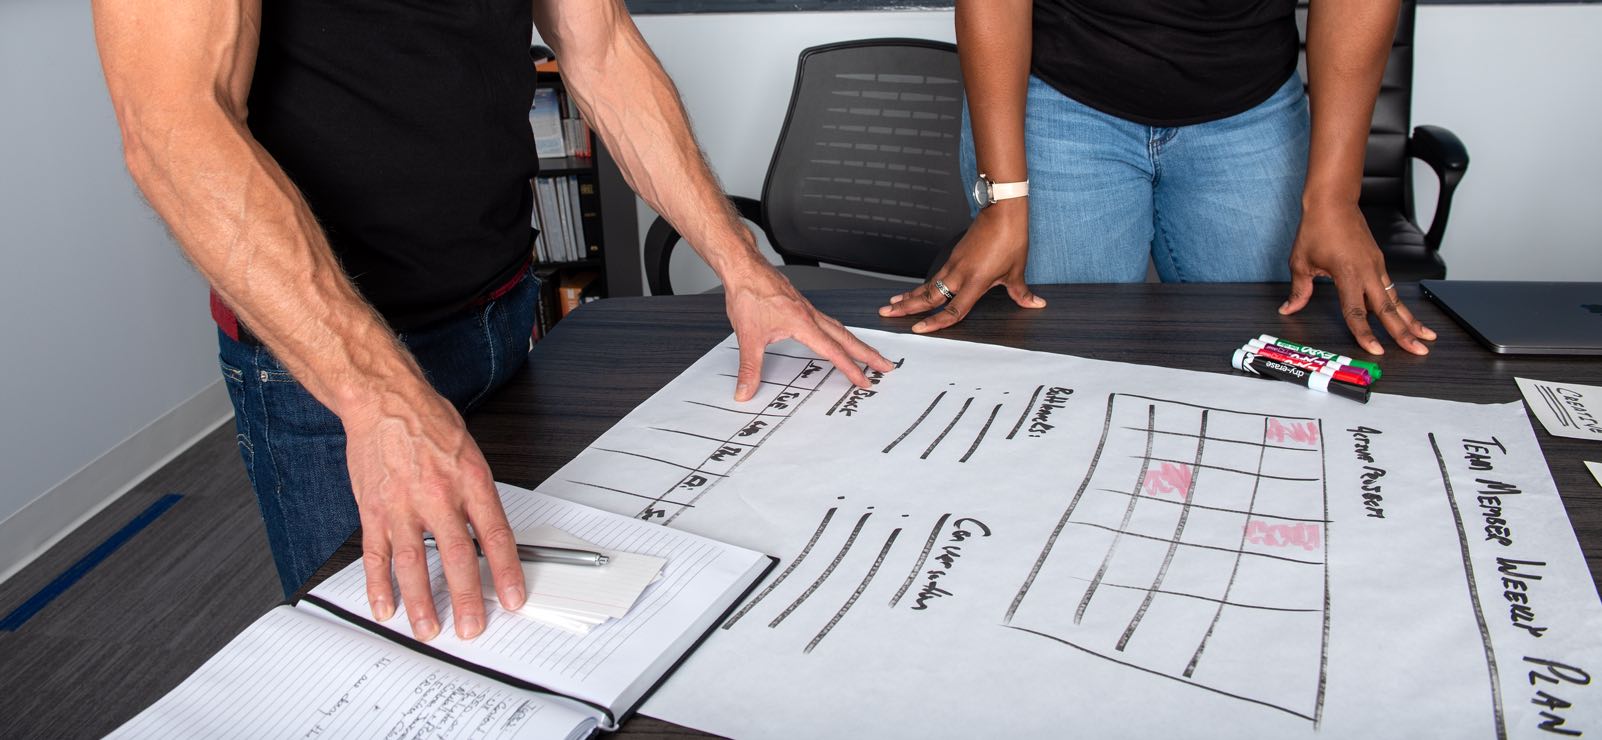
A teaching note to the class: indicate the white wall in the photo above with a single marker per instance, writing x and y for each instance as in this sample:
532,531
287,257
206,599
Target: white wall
104,330
1516,82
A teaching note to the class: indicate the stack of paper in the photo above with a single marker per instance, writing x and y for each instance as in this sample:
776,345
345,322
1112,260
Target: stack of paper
576,598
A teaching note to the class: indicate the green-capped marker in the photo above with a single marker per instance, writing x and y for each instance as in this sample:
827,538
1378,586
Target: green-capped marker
1373,369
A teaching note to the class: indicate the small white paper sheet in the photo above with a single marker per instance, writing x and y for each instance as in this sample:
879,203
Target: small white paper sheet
1596,471
574,597
1565,409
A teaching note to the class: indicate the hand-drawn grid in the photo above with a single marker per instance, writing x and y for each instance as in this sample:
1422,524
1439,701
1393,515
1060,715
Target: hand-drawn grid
1207,526
712,438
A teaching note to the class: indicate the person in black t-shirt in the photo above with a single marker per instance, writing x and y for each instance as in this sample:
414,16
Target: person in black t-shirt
1172,131
352,178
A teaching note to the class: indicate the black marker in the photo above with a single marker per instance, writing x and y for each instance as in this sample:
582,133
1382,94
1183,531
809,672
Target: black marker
1268,367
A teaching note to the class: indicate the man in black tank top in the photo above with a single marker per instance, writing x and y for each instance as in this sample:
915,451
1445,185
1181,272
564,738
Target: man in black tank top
1106,133
343,170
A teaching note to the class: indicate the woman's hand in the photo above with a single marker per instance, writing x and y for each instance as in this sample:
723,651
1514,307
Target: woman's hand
992,253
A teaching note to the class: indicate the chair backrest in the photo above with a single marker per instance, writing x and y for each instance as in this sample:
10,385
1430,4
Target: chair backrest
865,172
1387,168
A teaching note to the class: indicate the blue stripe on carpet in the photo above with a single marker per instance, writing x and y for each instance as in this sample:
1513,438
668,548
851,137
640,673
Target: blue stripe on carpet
57,587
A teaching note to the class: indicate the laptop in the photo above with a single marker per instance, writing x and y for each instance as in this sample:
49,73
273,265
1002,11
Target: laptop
1524,318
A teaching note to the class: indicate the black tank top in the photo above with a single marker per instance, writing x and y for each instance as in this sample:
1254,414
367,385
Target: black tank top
1166,63
405,124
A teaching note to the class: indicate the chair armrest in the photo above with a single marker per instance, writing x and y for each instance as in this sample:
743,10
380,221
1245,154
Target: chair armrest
1443,152
662,237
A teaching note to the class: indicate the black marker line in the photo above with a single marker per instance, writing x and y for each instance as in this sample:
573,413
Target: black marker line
816,533
759,380
1323,652
928,546
736,348
1556,405
843,396
1028,407
1051,540
653,499
737,463
1474,595
1225,510
1197,545
1129,513
863,586
827,571
1234,570
981,437
915,424
1223,469
947,430
707,437
1199,597
1179,532
733,411
660,460
1144,669
1217,409
1227,439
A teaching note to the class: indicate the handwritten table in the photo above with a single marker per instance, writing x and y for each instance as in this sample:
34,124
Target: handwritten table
610,356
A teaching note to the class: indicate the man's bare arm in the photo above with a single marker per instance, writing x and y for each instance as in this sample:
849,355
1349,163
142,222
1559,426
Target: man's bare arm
179,74
628,99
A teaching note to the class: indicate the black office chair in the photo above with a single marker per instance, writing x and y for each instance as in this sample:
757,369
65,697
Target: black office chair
865,172
1387,199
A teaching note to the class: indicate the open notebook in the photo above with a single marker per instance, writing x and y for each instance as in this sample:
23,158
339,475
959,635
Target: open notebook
321,667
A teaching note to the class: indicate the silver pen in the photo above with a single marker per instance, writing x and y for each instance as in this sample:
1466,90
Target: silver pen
544,554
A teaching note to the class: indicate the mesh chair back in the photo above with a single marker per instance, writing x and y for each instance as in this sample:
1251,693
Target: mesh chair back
1387,168
865,172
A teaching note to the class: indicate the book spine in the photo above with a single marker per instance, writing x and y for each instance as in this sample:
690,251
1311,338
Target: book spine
589,206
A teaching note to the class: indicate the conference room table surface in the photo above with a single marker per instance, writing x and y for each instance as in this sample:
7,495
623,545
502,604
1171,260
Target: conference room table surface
611,355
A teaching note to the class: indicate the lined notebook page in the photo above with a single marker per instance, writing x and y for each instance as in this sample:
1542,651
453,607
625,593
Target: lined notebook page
604,666
296,673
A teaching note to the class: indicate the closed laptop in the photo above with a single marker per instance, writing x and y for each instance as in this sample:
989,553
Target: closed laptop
1528,318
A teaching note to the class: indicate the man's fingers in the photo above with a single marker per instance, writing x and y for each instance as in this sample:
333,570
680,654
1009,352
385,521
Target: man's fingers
499,544
411,572
460,560
917,300
745,383
820,342
856,348
375,563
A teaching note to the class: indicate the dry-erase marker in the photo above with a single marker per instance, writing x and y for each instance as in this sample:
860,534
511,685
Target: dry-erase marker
1272,368
1373,369
543,554
1333,368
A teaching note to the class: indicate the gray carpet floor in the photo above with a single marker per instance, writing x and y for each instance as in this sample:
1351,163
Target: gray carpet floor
147,616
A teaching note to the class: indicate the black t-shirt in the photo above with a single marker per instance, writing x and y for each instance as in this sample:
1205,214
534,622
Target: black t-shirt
405,125
1166,63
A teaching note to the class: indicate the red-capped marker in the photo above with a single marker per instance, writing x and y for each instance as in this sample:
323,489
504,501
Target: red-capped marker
1337,370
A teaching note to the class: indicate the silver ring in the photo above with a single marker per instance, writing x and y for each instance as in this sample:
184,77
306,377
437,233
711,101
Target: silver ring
1390,287
940,286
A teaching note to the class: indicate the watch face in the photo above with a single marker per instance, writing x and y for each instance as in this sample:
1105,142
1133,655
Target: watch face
981,191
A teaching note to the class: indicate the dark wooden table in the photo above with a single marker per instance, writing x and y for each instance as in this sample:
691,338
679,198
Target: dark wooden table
611,355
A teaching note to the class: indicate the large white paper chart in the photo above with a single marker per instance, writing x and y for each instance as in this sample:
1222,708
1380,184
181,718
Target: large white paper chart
994,541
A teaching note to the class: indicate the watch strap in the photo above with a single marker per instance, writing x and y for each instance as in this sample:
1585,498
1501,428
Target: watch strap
1007,190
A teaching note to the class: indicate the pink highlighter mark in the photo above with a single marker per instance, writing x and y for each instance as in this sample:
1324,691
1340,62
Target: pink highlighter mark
1305,536
1300,432
1168,478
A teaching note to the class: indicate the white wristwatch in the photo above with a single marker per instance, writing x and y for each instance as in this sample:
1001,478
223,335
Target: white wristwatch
987,193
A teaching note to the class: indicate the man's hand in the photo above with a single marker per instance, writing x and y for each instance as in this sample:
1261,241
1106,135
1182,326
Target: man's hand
993,252
1334,242
414,468
764,308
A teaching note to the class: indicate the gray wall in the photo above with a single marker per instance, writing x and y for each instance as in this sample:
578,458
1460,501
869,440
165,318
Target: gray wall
103,327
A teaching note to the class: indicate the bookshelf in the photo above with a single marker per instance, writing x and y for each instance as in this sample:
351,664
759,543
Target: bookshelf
596,209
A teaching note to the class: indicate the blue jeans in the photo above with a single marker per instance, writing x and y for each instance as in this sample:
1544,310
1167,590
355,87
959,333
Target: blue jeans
294,447
1210,202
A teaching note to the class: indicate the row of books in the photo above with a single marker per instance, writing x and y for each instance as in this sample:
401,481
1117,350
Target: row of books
567,214
559,130
562,290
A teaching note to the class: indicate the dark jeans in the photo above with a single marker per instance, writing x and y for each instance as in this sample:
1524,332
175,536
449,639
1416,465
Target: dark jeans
294,447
